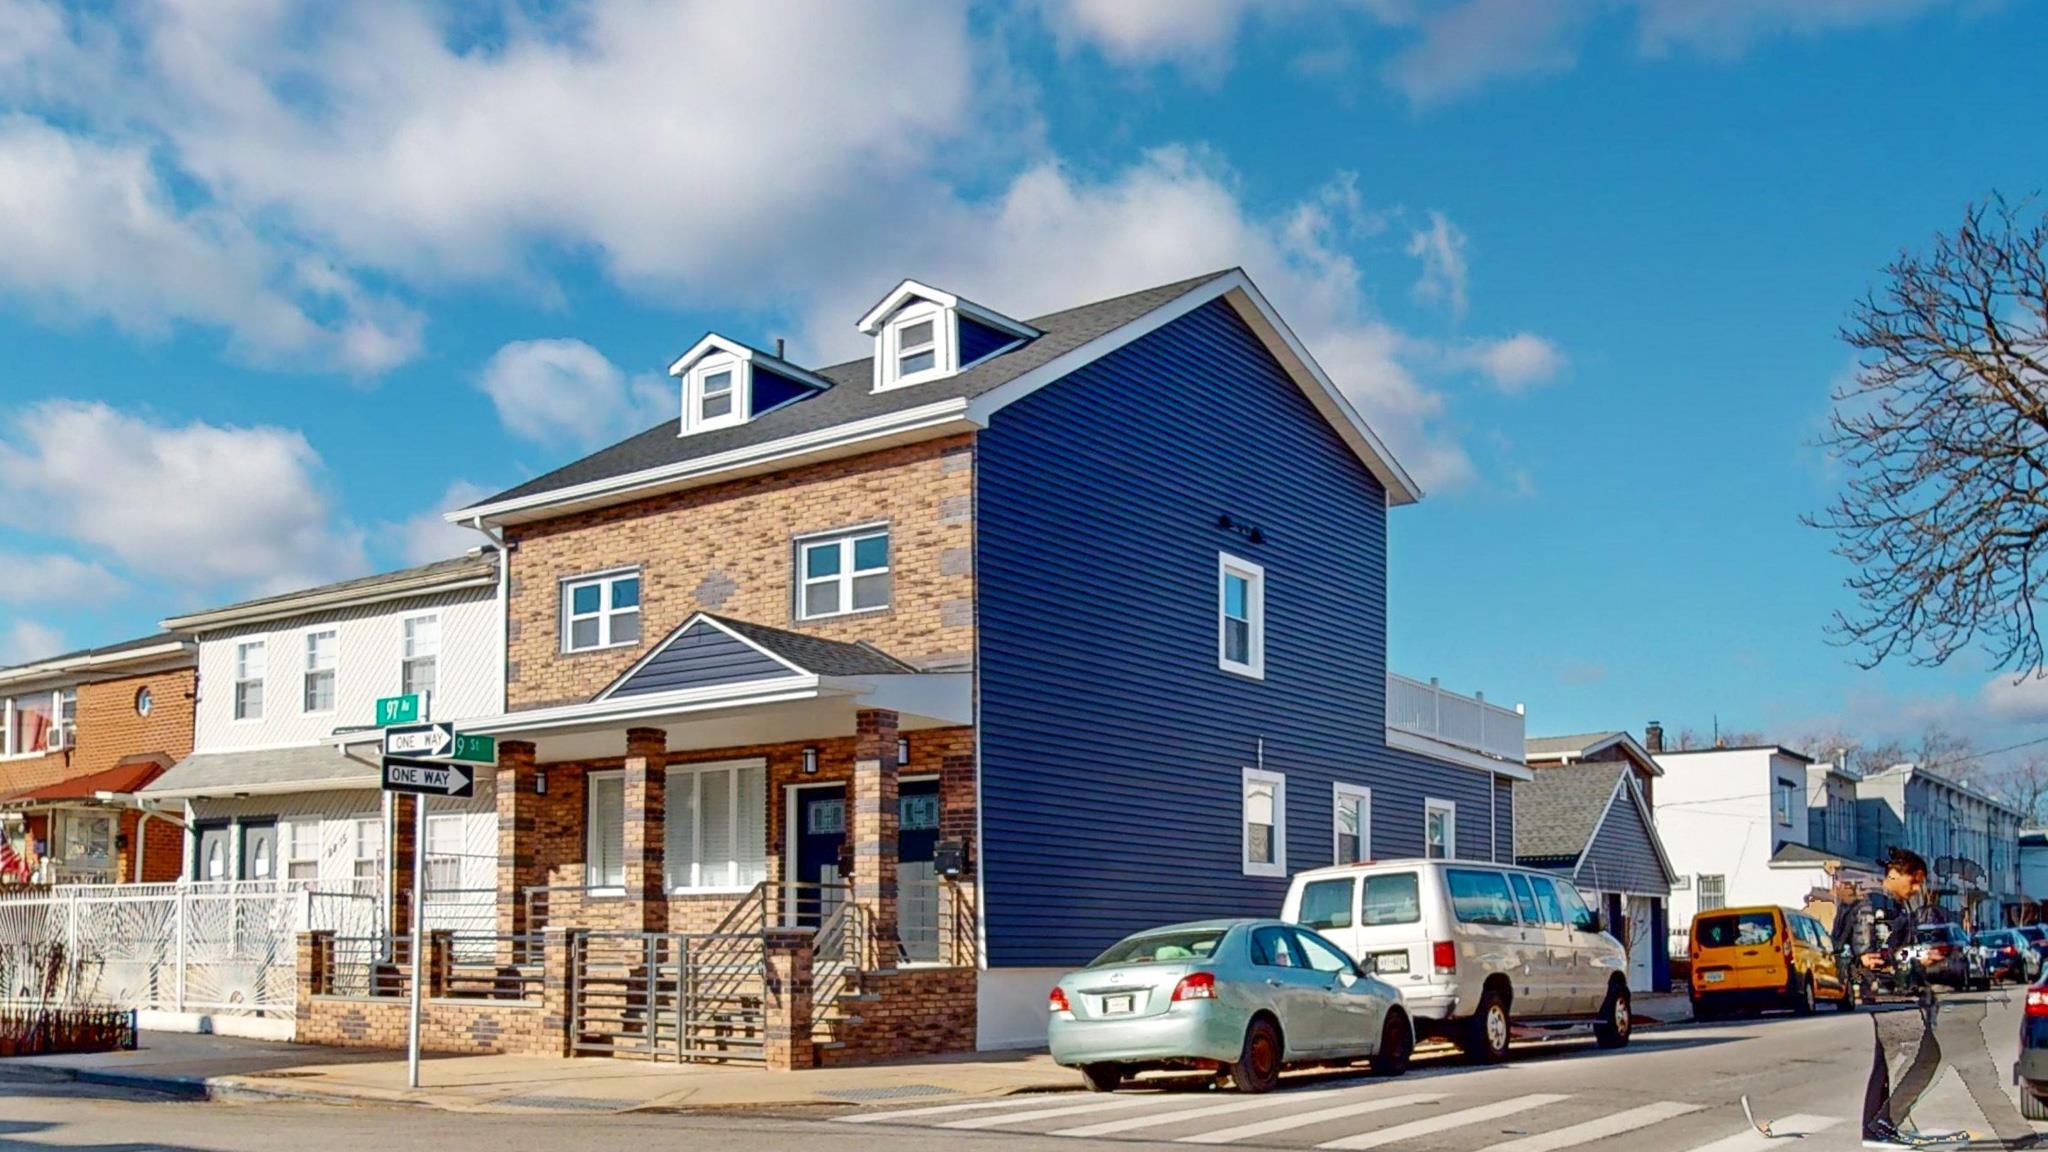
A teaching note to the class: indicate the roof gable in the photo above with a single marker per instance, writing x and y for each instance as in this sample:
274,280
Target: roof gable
707,651
1559,808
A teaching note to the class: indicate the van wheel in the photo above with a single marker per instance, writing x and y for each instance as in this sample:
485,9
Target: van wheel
1615,1021
1486,1034
1705,1011
1802,999
1103,1077
1397,1045
1258,1067
2033,1107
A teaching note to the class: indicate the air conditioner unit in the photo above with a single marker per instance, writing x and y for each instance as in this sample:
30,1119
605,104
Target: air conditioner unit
59,738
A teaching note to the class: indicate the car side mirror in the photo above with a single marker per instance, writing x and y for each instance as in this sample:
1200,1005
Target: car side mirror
1595,922
1367,967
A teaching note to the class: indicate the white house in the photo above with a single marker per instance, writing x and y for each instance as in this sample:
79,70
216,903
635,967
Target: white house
1726,816
283,779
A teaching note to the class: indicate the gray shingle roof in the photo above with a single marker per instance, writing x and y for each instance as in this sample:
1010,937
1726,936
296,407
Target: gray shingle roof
1803,854
265,770
1557,811
1564,745
816,654
468,566
853,397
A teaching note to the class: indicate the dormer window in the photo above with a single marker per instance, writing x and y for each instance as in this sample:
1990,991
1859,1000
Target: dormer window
919,342
924,334
716,400
725,383
712,394
917,347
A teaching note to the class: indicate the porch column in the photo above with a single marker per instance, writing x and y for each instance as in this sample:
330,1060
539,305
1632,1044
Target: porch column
646,806
518,836
874,832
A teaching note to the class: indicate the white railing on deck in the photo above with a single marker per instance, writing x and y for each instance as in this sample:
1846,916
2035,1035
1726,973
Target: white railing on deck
1425,709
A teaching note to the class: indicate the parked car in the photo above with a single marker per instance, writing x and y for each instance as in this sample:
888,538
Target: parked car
2037,940
1942,954
2006,955
2031,1072
1750,959
1477,950
1246,996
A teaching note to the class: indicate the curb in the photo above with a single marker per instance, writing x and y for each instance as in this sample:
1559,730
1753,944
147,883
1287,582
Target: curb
215,1088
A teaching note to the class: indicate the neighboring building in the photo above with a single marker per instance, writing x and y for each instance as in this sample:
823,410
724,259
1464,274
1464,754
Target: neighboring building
1092,607
1969,837
1586,815
79,734
2033,874
283,779
1831,808
1726,815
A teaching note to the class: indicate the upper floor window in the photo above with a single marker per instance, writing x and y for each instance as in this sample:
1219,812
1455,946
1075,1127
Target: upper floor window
321,650
923,333
601,611
1241,617
916,345
419,658
842,573
67,709
29,720
713,394
249,667
1786,797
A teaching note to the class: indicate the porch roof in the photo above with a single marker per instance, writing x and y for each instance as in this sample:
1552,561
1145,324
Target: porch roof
130,775
258,771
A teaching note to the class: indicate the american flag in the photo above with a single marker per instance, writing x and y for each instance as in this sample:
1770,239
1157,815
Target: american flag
11,863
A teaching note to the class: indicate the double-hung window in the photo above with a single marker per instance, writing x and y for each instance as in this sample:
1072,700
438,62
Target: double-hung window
321,650
1440,829
713,394
605,860
67,712
1265,823
842,573
1713,892
419,657
1240,617
716,826
1785,800
302,850
444,851
249,665
1353,825
369,845
601,611
916,346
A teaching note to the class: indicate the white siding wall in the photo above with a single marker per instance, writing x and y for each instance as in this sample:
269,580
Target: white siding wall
367,667
1714,815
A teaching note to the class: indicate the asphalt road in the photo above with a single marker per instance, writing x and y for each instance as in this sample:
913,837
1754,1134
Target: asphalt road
1673,1090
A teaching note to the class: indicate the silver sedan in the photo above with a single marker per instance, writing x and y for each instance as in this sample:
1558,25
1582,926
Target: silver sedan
1244,996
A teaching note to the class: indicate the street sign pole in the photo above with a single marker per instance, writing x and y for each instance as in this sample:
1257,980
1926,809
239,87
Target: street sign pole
419,900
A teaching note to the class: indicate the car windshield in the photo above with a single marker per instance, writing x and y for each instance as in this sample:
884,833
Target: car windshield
1162,947
1743,930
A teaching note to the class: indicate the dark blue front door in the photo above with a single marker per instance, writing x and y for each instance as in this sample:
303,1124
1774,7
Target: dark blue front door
917,828
821,820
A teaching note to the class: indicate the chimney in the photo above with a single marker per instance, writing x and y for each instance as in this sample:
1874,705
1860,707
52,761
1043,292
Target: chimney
778,349
1653,737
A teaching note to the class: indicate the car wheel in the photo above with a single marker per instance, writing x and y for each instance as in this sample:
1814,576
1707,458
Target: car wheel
1397,1045
1258,1067
1103,1077
1802,999
1615,1019
1486,1034
2033,1107
1848,1001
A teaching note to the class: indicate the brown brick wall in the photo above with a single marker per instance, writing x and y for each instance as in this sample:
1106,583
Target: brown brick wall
906,1012
729,548
109,729
463,1026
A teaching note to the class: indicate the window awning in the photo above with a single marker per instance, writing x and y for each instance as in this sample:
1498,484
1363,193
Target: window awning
132,774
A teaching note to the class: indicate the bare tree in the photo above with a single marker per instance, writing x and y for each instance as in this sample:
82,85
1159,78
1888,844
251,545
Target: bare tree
1944,431
1690,740
2025,783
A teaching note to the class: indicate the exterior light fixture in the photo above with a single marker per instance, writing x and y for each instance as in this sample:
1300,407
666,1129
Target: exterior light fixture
903,750
810,761
540,783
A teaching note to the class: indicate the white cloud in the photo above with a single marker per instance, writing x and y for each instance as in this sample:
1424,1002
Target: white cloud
1148,31
2021,702
1462,46
1517,363
1445,272
89,229
556,391
1726,27
425,537
26,641
195,504
53,578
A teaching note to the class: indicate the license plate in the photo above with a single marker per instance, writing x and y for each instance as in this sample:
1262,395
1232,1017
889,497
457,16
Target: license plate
1119,1005
1391,962
1714,977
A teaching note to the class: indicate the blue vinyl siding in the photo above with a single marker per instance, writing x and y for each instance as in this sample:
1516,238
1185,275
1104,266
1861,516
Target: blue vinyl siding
773,388
699,656
1621,858
978,340
1112,744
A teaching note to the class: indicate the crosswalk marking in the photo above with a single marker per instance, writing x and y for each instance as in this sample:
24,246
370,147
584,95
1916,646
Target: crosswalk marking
1425,1127
1751,1140
1599,1128
1098,1105
1304,1119
939,1110
1235,1104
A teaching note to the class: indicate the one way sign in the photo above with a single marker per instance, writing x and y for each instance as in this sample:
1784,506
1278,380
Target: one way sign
427,777
419,739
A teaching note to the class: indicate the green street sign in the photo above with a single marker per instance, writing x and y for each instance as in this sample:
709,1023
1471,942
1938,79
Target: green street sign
474,749
398,710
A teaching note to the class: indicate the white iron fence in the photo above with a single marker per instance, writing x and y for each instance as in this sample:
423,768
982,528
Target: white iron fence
224,948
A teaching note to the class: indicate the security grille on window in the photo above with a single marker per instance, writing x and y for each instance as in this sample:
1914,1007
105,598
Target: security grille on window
841,574
320,663
249,663
420,655
605,862
302,847
717,826
369,840
1241,617
601,611
1265,823
1713,892
1354,825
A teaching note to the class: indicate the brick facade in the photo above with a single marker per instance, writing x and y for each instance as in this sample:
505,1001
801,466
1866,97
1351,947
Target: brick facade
470,1027
907,1012
109,728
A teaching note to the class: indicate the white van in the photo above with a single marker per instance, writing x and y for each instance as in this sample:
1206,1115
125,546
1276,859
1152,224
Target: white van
1476,949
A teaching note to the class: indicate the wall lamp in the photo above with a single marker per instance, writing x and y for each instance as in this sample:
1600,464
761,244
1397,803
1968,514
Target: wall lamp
810,761
902,750
540,783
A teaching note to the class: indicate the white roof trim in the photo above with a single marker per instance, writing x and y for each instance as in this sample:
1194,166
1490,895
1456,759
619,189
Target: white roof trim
1438,750
653,704
872,323
713,342
1272,331
296,605
89,662
1628,781
675,634
229,791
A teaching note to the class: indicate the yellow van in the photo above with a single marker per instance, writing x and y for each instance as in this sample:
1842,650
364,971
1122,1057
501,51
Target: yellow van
1750,959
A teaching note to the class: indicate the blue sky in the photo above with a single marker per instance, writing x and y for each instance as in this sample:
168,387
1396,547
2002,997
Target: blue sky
278,283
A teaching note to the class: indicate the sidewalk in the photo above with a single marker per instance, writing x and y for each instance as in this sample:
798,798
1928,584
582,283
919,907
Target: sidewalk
224,1068
1651,1008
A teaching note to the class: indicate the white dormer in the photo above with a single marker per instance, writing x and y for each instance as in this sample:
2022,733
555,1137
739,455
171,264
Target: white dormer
924,334
725,382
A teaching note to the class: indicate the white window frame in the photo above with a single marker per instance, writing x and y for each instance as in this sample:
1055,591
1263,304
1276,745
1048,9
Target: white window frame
605,613
1700,891
293,830
1781,801
368,832
944,345
692,776
67,714
448,865
844,539
69,820
309,670
241,677
1278,865
1361,799
7,749
1430,806
590,832
408,654
693,392
1254,576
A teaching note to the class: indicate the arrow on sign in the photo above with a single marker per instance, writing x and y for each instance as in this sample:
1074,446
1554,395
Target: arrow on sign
419,740
427,777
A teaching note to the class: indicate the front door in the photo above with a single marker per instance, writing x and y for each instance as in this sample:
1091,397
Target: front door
917,883
820,838
259,851
210,847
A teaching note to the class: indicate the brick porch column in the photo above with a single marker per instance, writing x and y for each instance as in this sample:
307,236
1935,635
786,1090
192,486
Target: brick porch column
557,1024
874,832
646,806
403,838
786,1041
519,865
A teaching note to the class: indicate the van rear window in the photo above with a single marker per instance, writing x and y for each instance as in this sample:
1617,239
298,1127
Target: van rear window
1390,899
1480,897
1744,930
1326,904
